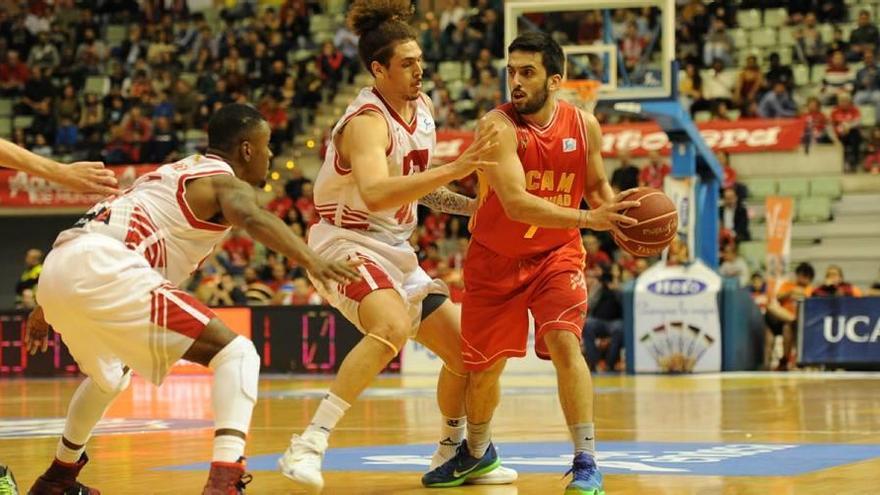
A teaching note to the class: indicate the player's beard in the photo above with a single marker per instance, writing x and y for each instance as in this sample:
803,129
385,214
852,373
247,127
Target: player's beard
535,104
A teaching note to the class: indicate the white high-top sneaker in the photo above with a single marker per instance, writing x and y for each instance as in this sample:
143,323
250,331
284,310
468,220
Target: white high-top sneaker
301,461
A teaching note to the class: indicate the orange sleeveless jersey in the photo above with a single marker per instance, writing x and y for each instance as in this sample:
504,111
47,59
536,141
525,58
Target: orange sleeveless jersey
554,160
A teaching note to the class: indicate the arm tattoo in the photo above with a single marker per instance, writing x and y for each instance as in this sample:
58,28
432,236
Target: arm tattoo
446,201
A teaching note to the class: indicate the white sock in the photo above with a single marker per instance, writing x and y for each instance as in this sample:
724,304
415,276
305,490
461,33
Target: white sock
64,454
330,411
584,437
228,448
87,407
452,432
479,437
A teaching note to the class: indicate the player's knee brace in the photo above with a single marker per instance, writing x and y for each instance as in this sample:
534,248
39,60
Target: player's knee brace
236,373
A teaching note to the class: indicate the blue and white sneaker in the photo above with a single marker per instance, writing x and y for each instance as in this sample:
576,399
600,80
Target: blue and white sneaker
585,477
461,467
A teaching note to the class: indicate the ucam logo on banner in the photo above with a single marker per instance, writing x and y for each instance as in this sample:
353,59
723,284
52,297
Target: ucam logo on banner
676,319
840,330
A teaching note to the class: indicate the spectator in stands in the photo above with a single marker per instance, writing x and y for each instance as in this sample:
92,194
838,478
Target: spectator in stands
347,42
654,171
632,46
867,83
781,316
838,79
734,217
483,94
66,136
278,121
91,52
817,128
137,129
777,103
748,83
734,265
164,146
44,54
872,159
863,38
332,63
730,176
223,291
38,94
454,11
132,49
33,266
846,120
809,47
596,259
308,88
185,103
256,291
718,45
14,74
604,320
305,204
690,89
118,150
41,144
835,286
837,42
718,84
302,294
778,73
626,175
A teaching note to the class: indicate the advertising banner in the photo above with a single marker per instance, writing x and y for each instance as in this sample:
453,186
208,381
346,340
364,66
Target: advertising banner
738,136
677,322
839,330
778,213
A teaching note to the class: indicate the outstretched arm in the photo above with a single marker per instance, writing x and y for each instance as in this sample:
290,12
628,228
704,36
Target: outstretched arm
364,141
446,201
238,205
90,177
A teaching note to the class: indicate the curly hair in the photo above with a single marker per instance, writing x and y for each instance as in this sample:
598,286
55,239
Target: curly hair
381,26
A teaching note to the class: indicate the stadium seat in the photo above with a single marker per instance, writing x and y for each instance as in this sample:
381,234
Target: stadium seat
450,71
116,34
763,37
814,209
22,121
5,127
754,252
703,116
826,31
6,107
775,17
869,117
749,19
319,22
739,36
99,85
794,186
761,188
786,36
818,74
801,74
456,89
826,187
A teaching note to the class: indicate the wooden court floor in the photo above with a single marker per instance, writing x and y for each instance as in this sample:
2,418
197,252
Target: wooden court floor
712,434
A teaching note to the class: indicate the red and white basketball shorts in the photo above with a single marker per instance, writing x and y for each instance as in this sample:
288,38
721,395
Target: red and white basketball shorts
113,310
500,291
385,266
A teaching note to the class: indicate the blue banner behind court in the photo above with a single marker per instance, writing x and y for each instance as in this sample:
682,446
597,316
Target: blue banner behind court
840,330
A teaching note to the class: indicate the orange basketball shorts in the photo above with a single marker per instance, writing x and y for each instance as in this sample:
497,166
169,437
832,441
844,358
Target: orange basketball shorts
499,292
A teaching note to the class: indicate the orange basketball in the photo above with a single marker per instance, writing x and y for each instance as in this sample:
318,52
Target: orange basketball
658,223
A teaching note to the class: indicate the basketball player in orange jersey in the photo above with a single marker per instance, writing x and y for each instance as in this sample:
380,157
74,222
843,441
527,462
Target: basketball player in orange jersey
109,286
526,253
375,172
87,177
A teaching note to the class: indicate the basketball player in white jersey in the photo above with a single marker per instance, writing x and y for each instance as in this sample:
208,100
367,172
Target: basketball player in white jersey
109,286
375,172
87,177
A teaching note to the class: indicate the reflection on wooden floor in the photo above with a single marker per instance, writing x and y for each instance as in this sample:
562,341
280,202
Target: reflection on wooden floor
739,434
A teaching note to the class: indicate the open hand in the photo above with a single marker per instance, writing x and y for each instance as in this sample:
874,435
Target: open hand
478,154
88,177
36,336
341,272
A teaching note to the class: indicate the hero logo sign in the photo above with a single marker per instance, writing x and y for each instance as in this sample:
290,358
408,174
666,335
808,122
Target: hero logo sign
414,162
677,287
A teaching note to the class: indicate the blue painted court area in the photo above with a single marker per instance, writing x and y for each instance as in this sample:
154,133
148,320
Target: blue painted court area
704,459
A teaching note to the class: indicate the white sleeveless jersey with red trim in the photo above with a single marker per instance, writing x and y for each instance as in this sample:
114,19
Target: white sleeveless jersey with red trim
337,198
153,219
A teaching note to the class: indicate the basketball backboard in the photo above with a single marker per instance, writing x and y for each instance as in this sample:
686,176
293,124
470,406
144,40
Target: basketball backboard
627,45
